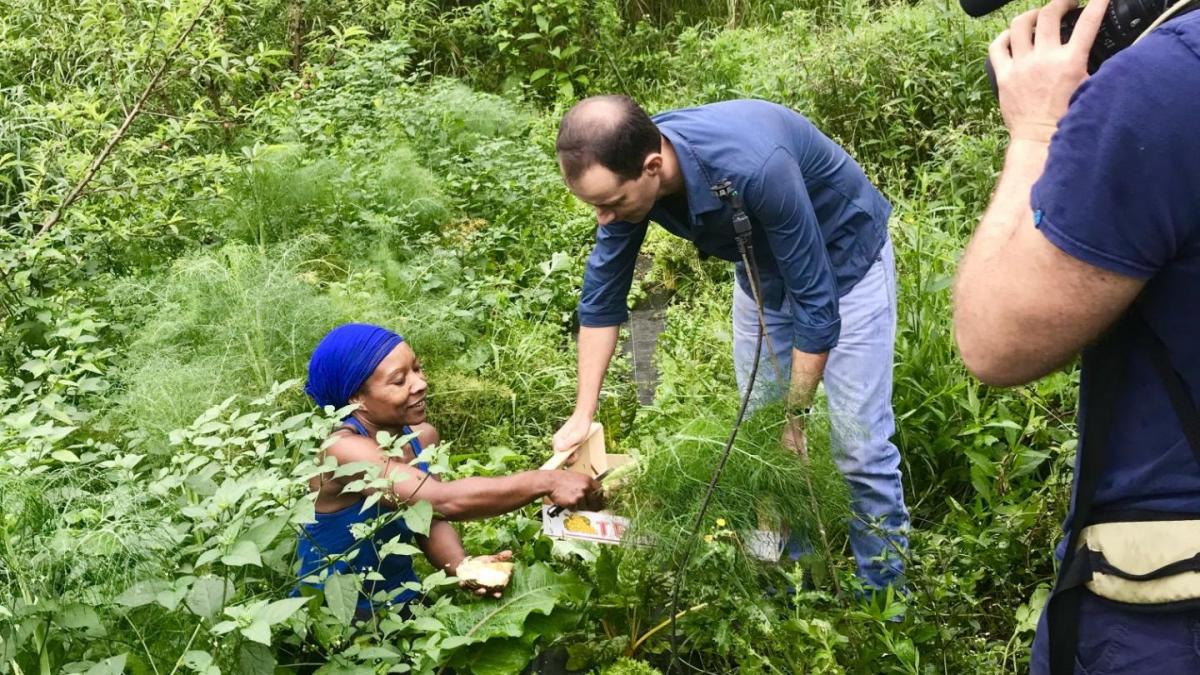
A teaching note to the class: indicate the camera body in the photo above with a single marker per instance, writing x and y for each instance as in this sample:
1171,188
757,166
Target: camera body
1124,21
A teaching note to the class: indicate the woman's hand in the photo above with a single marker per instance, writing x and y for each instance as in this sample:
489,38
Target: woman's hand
574,490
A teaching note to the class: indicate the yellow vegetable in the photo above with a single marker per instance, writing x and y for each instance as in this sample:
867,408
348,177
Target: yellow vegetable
486,573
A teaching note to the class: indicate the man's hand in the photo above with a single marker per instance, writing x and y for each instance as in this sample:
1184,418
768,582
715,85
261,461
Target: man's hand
574,490
1035,73
793,436
573,432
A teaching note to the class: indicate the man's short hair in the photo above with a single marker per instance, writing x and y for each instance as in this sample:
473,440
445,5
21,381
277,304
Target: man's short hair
612,131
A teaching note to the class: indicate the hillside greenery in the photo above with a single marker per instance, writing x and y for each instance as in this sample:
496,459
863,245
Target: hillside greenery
298,165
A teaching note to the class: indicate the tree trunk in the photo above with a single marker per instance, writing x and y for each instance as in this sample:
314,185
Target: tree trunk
296,32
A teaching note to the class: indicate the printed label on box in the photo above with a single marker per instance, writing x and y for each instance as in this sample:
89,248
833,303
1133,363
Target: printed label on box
589,525
608,528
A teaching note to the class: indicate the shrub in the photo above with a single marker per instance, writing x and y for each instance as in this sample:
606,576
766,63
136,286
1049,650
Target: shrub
280,194
232,321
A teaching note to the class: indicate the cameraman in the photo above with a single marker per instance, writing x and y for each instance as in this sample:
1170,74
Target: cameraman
1094,226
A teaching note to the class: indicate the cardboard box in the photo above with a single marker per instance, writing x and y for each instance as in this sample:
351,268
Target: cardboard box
592,458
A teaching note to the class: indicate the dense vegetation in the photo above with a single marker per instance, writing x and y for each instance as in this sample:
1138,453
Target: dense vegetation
285,166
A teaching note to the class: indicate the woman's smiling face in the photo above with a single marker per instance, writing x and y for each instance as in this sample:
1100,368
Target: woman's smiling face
394,395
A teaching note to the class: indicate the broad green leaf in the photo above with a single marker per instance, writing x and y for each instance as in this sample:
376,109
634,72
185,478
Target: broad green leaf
280,610
294,421
371,500
171,599
259,631
341,596
197,660
209,596
255,659
397,547
142,593
208,556
244,552
265,532
1028,614
111,666
339,665
419,516
456,641
65,456
377,652
533,589
81,617
428,624
304,512
497,657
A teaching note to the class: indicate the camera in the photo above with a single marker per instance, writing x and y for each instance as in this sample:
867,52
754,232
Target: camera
1124,21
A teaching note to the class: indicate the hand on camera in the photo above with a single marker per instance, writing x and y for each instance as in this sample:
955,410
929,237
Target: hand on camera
1036,73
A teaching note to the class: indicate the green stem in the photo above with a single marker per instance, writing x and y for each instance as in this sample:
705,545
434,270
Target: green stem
665,622
41,636
188,646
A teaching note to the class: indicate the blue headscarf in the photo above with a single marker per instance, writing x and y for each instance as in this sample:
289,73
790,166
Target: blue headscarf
344,359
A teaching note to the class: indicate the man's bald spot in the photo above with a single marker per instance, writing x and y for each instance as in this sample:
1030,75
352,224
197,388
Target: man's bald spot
595,115
611,130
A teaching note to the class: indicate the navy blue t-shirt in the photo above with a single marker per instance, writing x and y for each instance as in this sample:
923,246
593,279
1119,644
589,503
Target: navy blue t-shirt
1121,191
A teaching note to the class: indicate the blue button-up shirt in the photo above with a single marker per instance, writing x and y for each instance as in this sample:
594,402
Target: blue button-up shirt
818,223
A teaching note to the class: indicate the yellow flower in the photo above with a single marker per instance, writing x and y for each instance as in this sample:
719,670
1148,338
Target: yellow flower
708,538
720,522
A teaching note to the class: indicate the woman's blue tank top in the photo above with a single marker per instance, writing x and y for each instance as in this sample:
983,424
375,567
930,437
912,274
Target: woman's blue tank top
330,535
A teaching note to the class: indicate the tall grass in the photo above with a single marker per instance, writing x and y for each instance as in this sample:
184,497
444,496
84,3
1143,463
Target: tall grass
232,321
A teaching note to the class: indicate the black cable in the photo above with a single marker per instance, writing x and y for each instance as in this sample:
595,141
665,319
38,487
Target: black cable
745,248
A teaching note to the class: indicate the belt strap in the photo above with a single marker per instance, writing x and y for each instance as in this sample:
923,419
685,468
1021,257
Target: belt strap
1104,365
1177,391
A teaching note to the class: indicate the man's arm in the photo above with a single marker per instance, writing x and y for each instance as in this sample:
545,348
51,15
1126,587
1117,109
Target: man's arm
1022,306
596,347
778,200
602,309
807,370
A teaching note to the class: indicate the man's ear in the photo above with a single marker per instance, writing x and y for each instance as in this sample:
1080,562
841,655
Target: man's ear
653,164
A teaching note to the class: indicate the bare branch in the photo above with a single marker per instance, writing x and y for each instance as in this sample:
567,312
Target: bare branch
124,128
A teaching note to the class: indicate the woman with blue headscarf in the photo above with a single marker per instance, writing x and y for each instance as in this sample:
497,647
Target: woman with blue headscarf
376,369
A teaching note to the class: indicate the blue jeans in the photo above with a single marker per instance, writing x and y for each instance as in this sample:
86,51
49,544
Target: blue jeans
858,387
1116,641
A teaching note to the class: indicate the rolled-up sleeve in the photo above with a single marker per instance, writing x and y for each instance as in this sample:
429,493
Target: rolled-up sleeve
778,201
609,274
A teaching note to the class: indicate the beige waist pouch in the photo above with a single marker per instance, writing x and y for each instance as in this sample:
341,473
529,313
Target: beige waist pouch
1143,562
